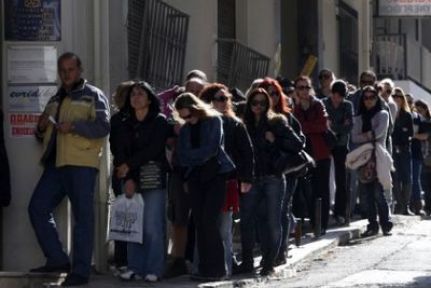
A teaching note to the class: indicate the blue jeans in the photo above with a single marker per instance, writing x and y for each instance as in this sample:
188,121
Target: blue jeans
78,184
149,257
416,180
266,197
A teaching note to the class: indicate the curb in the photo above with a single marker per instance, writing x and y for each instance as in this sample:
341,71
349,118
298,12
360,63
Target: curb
333,238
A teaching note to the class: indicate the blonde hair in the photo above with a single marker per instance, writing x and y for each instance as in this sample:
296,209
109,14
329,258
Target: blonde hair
399,93
120,96
197,107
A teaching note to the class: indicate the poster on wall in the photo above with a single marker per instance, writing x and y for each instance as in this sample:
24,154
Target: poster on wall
29,98
405,8
23,124
31,64
32,20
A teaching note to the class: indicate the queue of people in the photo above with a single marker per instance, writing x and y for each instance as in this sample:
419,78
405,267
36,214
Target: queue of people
209,153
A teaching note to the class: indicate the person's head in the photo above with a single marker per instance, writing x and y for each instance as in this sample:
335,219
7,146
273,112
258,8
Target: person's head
423,109
195,86
69,68
142,96
326,77
190,109
400,99
339,91
367,78
197,74
304,88
254,85
258,105
369,99
386,88
274,90
219,96
410,101
120,95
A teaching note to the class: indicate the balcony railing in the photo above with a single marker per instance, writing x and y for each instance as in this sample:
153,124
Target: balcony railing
238,65
400,58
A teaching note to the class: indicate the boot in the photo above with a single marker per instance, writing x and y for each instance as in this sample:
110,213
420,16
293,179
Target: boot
405,196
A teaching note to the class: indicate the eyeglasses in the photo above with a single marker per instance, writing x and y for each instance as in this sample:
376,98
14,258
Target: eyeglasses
186,117
303,88
261,103
221,98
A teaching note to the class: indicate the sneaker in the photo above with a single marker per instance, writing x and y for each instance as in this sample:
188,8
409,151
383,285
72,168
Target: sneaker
151,278
74,280
129,275
52,269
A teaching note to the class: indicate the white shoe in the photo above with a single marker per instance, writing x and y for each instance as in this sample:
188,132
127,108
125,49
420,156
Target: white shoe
129,275
151,278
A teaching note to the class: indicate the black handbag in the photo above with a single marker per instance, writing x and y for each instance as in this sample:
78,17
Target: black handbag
150,176
293,164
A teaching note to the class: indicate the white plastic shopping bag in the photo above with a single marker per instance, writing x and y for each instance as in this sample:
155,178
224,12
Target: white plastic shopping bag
127,219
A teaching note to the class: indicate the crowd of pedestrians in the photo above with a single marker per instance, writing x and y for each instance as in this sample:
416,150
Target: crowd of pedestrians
214,153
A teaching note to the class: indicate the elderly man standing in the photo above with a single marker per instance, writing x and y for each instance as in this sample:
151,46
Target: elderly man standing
73,128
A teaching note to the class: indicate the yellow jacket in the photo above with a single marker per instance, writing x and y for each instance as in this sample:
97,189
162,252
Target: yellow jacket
87,108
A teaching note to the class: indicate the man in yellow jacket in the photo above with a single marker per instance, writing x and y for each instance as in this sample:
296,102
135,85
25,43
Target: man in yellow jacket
72,127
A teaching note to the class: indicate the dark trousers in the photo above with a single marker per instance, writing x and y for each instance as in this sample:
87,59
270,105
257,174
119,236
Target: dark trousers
287,217
320,189
78,184
341,198
373,196
207,201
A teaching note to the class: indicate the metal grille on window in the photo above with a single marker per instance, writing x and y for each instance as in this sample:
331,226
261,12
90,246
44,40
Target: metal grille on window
157,37
238,65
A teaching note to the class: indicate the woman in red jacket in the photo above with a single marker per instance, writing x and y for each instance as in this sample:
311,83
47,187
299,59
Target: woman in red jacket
312,115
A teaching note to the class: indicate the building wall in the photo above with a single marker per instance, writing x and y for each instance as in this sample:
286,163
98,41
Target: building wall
83,24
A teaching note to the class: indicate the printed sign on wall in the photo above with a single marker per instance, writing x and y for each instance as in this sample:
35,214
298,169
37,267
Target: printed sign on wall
32,20
404,7
23,124
29,98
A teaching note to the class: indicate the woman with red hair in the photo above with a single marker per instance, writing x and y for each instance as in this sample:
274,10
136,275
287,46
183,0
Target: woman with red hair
279,105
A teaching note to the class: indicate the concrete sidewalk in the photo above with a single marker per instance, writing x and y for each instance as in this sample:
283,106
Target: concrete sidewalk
309,248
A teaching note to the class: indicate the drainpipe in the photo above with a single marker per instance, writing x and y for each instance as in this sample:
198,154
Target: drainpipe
101,79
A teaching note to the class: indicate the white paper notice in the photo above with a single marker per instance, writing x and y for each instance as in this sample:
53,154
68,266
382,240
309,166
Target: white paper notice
31,64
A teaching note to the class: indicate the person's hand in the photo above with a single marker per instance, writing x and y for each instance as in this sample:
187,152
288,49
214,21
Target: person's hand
269,136
65,127
122,170
245,187
43,122
129,188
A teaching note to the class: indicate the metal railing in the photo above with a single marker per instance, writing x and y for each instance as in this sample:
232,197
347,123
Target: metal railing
389,56
238,65
157,34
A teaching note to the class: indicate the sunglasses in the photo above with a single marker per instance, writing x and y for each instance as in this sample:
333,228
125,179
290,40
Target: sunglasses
367,82
397,96
221,98
325,76
388,91
187,117
369,97
303,88
261,103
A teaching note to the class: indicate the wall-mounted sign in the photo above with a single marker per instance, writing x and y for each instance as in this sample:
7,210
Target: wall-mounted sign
32,20
31,64
404,7
23,124
29,98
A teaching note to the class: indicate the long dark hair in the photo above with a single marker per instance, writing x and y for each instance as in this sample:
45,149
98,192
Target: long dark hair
154,108
249,118
379,103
